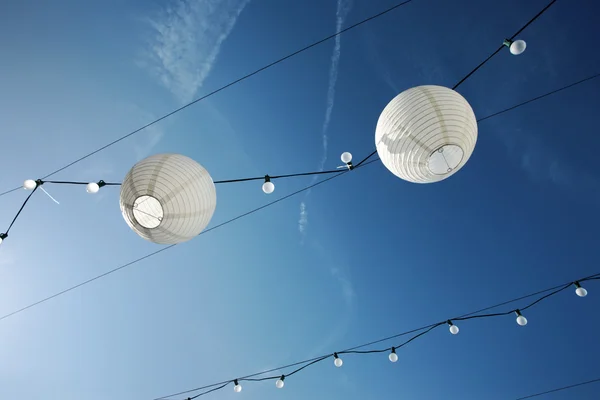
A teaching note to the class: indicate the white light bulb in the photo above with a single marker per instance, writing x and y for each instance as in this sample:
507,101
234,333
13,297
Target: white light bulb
393,357
521,320
268,187
29,184
338,362
237,388
92,187
517,47
454,329
1,240
279,384
346,157
581,292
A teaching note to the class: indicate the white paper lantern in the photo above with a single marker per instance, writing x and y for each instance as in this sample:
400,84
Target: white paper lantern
426,134
168,198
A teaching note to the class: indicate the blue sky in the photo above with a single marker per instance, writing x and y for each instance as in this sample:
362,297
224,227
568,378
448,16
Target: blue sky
361,257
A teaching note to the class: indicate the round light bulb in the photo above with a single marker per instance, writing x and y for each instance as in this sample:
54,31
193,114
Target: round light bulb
581,292
237,388
338,362
346,157
454,329
521,320
1,240
29,184
517,47
393,357
268,187
279,384
92,187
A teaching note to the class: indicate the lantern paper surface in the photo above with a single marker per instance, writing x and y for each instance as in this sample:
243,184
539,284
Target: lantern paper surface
168,198
426,134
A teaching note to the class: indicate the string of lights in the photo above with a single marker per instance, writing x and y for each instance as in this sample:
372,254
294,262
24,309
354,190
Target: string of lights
508,43
226,86
516,47
227,222
531,396
393,357
93,187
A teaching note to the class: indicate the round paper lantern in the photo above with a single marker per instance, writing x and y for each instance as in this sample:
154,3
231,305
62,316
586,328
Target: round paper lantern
168,198
426,134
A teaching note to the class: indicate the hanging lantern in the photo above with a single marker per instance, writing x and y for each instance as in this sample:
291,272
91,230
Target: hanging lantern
426,134
168,198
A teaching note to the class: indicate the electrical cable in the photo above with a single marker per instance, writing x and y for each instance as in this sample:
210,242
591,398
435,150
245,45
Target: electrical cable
424,330
560,389
502,46
259,208
236,81
173,245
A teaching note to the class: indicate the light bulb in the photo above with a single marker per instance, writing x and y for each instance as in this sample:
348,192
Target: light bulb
521,320
92,187
581,292
338,361
517,47
237,388
393,356
279,384
346,157
29,184
2,237
454,329
268,187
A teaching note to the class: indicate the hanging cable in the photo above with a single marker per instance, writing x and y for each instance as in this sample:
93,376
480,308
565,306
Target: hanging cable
559,389
503,45
243,78
170,246
422,331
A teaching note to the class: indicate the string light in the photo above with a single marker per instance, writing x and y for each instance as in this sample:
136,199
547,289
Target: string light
419,332
268,187
580,291
521,320
280,382
237,388
516,47
94,187
393,356
337,361
29,184
2,237
453,328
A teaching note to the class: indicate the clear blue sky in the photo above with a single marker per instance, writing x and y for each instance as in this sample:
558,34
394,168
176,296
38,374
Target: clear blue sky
376,255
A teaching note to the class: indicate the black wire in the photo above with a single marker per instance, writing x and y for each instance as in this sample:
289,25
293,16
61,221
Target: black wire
425,329
502,46
539,97
243,78
279,176
21,209
559,389
170,246
81,183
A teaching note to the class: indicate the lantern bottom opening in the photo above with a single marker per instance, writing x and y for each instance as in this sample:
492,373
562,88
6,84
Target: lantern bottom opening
148,211
445,159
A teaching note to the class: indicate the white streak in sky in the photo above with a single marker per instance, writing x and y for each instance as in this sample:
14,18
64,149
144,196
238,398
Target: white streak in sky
189,35
343,8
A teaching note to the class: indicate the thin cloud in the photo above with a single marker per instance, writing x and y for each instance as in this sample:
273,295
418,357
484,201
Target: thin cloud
343,8
303,220
188,38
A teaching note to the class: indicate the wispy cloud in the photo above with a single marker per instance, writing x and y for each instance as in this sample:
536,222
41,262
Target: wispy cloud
343,8
188,38
303,220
